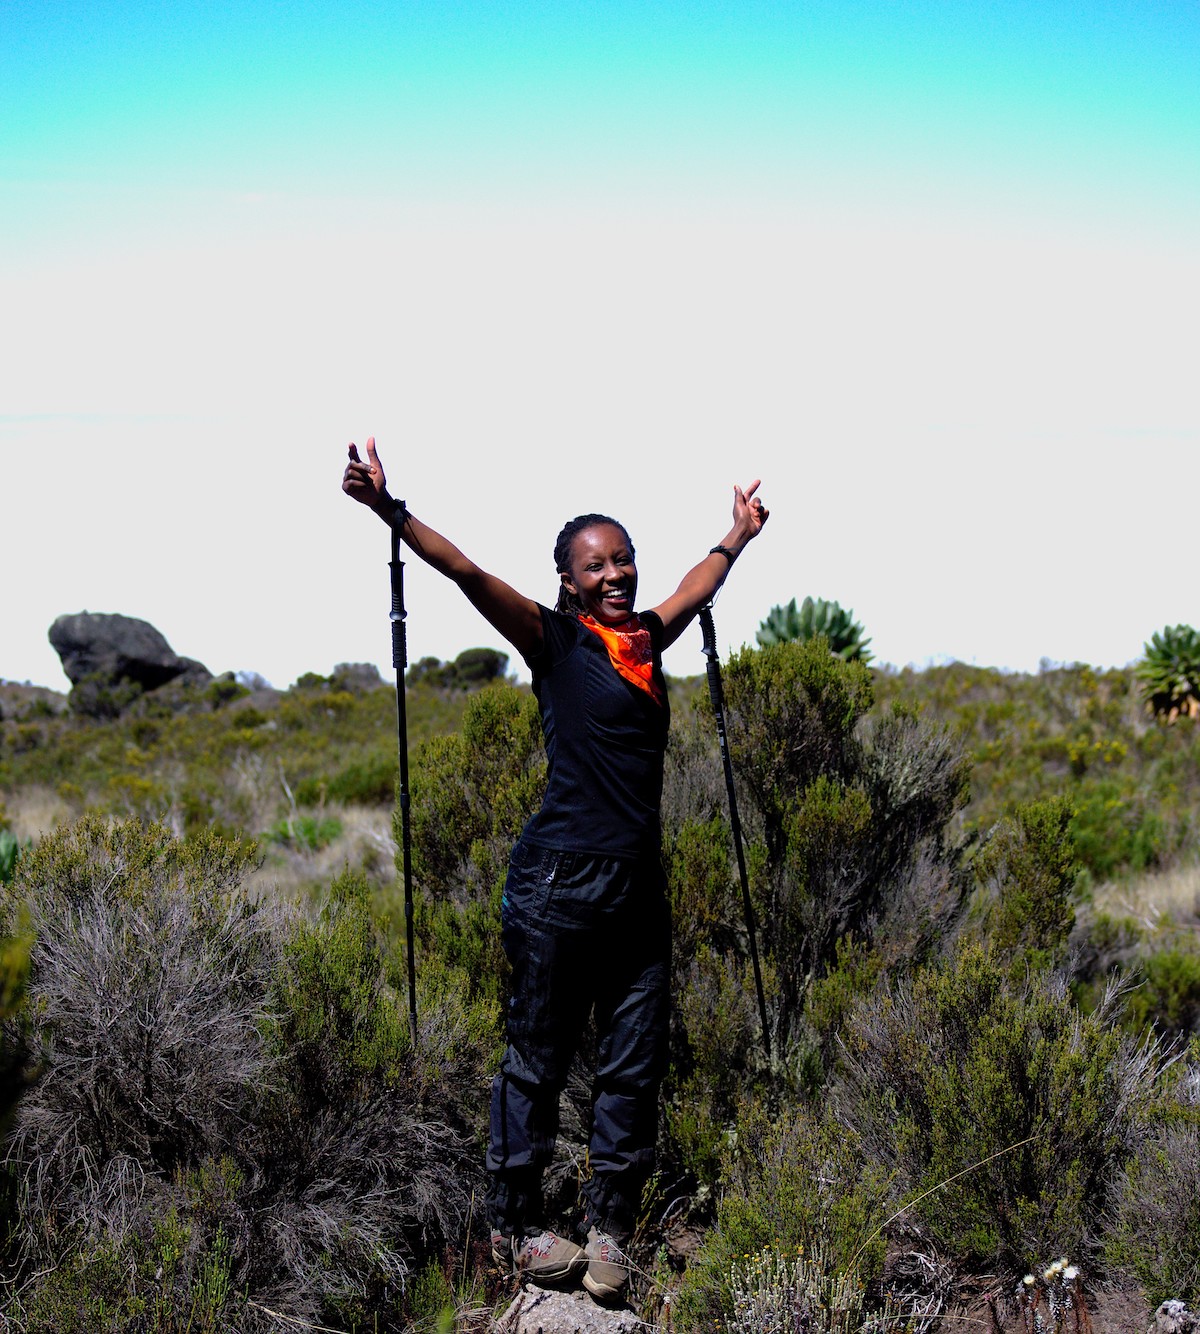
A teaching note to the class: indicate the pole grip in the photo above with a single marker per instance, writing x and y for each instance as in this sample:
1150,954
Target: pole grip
397,615
708,632
712,669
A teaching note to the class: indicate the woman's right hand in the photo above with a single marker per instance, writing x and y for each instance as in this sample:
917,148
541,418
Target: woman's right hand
365,482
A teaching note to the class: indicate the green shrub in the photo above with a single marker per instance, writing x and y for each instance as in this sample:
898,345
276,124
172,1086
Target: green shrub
817,618
774,1290
249,719
792,713
433,1300
1168,995
370,781
854,974
1154,1232
223,690
717,1058
1029,869
171,1273
472,793
473,667
10,849
14,1055
97,697
1170,672
248,1070
791,1180
853,818
990,1090
1115,828
307,833
705,900
464,936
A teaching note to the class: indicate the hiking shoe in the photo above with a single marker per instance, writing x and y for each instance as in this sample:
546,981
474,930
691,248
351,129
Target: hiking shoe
541,1257
607,1274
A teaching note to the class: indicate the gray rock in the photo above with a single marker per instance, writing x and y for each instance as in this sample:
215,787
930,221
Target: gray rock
1173,1317
111,648
546,1311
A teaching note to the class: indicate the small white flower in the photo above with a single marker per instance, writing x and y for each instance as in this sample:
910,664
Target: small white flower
1070,1274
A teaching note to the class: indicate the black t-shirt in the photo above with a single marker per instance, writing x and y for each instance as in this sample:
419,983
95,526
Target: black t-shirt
605,740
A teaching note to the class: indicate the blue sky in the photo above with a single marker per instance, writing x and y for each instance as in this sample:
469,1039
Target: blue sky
928,269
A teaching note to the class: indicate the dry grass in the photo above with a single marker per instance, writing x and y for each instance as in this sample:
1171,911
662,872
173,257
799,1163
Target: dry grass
1154,897
34,812
290,874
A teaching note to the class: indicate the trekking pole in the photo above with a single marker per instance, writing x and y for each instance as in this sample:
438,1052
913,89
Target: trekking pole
713,668
400,662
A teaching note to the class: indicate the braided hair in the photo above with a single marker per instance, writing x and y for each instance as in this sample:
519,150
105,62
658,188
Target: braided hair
567,601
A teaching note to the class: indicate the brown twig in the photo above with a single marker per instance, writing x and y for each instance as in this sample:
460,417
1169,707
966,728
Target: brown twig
294,1320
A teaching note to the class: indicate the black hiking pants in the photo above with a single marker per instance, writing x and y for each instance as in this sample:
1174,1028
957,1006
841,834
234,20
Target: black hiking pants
581,932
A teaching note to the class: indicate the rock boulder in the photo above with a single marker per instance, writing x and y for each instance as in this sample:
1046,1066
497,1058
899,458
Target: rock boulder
1173,1317
544,1311
110,648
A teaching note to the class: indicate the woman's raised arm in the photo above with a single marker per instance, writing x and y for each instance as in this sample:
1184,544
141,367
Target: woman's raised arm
702,581
516,617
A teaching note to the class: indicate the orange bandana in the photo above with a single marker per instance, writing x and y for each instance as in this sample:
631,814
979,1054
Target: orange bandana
630,651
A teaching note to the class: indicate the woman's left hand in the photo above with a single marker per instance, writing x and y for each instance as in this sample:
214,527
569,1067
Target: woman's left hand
749,513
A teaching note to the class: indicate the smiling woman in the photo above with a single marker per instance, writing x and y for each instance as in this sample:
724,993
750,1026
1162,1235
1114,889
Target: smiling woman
584,918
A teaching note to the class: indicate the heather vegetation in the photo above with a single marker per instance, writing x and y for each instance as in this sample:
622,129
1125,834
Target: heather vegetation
976,902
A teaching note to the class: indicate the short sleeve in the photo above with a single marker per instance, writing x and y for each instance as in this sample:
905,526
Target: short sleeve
559,636
653,622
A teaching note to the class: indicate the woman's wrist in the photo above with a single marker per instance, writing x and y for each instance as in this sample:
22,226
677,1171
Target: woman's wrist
736,541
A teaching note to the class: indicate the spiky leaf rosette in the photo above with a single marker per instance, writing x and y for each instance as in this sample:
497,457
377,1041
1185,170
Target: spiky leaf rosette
817,617
1170,671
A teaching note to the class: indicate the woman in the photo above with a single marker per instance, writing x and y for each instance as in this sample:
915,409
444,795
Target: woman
584,920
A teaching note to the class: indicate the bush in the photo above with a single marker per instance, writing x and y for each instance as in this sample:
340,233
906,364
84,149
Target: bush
307,833
98,697
1155,1229
853,818
223,690
148,991
14,973
370,781
718,1057
1029,870
995,1094
1168,996
843,635
372,1147
472,793
248,1070
1170,672
1115,828
10,850
473,667
792,1181
773,1290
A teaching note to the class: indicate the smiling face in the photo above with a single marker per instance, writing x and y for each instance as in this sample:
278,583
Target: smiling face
601,573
